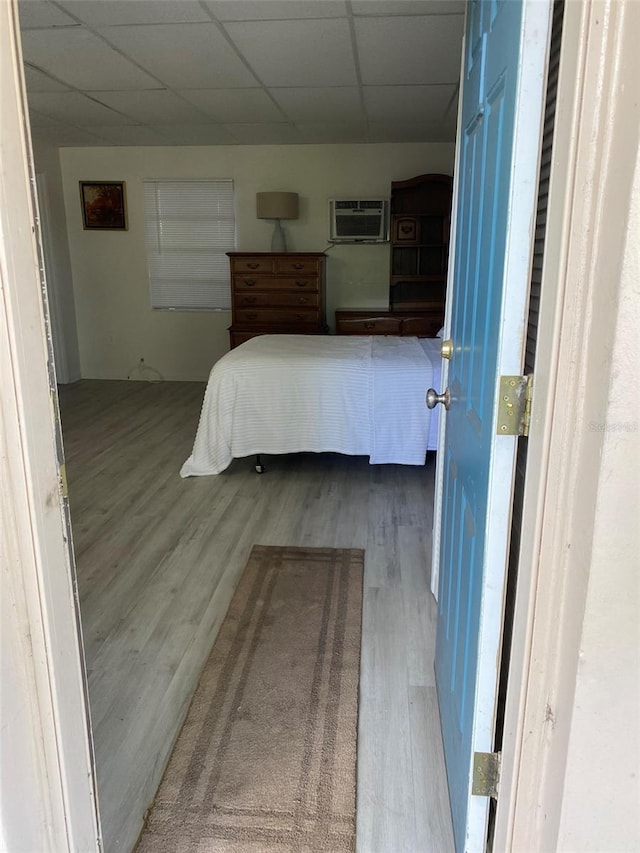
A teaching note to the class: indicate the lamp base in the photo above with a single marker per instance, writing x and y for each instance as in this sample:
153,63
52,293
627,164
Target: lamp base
279,240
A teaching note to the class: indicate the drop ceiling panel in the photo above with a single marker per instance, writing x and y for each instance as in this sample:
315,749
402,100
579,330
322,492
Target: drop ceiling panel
156,107
407,103
119,12
195,134
74,108
183,56
314,104
82,60
234,105
451,116
323,132
307,53
128,135
260,10
63,135
37,119
397,131
264,134
381,8
38,81
42,13
409,49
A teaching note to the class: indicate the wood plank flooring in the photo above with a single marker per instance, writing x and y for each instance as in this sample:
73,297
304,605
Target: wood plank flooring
158,559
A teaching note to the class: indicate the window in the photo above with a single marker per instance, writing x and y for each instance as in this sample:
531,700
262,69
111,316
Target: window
189,227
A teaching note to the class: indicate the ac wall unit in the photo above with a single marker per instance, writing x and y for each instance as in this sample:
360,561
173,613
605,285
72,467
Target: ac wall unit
364,220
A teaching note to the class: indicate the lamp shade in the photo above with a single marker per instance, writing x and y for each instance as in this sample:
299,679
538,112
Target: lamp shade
277,205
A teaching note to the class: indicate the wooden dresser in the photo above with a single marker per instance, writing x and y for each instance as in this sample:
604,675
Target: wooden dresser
276,294
371,321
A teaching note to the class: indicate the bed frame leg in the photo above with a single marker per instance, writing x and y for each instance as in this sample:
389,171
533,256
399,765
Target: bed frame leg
259,465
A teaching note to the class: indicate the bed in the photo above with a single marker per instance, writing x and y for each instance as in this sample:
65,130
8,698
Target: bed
357,395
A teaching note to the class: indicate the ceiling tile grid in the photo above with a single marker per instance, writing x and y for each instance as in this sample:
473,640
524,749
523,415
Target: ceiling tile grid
224,72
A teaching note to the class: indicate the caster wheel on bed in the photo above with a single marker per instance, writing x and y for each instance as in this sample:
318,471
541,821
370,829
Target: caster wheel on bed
260,469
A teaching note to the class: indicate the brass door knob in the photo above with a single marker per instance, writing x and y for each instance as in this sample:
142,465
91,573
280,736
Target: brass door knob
446,349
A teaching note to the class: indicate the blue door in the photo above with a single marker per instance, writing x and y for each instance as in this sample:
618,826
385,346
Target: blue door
503,83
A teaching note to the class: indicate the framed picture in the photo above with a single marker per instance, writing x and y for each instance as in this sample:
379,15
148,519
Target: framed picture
103,205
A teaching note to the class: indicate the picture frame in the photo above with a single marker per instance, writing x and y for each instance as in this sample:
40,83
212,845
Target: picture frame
104,205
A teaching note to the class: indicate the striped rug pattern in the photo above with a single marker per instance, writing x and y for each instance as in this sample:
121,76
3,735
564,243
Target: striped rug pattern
266,760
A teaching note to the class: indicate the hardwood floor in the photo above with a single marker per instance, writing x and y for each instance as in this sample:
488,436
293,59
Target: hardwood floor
158,559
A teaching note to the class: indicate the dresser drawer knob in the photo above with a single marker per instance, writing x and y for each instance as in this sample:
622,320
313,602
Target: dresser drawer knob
302,300
299,316
253,266
251,316
298,266
369,325
250,300
250,282
302,283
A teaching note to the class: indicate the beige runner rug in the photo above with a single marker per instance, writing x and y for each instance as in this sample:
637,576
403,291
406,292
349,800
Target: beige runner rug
266,760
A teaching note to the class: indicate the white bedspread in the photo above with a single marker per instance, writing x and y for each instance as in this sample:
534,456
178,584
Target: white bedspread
293,393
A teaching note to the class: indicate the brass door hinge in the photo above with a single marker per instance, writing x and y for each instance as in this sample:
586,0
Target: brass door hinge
514,405
64,491
486,774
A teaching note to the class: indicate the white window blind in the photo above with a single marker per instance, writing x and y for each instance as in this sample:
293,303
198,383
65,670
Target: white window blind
189,228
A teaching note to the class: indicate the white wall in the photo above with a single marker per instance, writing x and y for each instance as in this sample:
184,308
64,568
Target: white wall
116,326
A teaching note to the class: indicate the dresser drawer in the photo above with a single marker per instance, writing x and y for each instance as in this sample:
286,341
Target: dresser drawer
294,284
276,316
252,265
372,325
293,266
293,299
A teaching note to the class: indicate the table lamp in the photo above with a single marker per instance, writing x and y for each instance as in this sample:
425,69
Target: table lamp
277,206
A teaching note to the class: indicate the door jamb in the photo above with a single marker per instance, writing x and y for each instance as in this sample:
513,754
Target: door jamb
46,730
594,136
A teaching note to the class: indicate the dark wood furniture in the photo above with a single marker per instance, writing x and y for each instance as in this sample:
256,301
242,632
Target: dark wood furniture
275,293
370,321
420,225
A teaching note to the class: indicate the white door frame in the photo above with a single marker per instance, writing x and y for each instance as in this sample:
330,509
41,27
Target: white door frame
63,373
51,803
53,747
594,154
